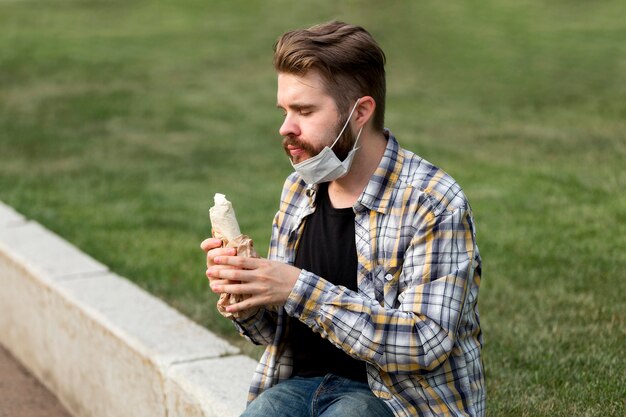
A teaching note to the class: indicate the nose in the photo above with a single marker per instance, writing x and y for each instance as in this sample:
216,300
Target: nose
290,126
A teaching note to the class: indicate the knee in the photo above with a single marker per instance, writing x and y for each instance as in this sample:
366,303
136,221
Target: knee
262,406
359,405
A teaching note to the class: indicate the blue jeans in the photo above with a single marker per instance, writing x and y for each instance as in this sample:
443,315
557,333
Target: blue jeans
318,397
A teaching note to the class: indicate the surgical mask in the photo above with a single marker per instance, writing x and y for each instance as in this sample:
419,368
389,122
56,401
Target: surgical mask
325,166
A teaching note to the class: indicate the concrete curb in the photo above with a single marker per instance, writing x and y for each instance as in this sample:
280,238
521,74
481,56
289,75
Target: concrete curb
104,346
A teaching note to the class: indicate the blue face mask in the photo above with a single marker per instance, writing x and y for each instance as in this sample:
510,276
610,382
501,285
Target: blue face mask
325,166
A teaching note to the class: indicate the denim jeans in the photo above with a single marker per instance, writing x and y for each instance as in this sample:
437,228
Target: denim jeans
318,397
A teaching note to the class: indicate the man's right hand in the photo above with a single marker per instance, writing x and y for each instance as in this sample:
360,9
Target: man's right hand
213,247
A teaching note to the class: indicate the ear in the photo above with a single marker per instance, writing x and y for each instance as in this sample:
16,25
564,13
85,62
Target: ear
364,111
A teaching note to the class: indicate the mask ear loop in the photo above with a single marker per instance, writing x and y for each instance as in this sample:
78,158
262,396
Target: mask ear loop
346,124
358,135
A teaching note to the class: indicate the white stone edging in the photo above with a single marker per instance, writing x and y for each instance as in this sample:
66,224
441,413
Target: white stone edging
104,346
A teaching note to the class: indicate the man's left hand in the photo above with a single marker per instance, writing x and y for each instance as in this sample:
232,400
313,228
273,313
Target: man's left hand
266,282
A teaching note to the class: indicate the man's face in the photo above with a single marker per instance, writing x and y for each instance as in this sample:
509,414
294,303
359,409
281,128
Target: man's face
311,118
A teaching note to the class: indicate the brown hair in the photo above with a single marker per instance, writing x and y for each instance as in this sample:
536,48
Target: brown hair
348,58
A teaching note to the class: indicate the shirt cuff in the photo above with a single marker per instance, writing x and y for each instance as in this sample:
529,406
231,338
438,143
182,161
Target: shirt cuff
248,317
304,298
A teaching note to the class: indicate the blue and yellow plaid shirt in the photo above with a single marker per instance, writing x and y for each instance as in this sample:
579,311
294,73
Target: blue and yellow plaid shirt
414,319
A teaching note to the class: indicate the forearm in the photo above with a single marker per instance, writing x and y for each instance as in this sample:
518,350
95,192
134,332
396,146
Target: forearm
259,328
402,340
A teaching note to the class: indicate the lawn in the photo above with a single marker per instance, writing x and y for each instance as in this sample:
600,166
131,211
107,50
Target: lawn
120,120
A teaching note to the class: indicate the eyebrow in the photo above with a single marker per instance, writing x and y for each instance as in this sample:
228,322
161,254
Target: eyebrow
297,106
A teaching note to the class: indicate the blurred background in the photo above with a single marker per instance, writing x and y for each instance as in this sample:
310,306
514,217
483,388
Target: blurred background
119,120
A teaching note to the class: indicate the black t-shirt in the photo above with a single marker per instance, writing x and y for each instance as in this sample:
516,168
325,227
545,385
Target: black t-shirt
327,248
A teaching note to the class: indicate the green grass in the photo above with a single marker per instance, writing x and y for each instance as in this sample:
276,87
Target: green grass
120,120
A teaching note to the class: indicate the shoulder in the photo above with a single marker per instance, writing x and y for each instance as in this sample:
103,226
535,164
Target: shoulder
431,184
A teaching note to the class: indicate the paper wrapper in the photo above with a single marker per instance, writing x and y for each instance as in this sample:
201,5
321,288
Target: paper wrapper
225,227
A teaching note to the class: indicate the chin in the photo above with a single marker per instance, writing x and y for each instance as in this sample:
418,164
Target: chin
296,159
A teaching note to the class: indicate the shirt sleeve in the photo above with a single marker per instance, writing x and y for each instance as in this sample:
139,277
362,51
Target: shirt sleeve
258,328
417,335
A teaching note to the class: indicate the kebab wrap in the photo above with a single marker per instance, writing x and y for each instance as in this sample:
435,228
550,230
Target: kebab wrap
225,227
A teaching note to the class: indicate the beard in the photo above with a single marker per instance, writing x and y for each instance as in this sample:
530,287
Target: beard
341,149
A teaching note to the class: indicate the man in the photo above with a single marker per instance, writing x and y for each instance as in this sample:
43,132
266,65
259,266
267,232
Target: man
367,302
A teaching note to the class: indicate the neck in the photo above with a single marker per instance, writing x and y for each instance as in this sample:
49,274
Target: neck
345,191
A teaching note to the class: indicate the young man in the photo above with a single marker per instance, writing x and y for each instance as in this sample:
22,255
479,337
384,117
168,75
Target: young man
367,302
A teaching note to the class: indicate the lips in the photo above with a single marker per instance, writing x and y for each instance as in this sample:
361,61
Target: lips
295,150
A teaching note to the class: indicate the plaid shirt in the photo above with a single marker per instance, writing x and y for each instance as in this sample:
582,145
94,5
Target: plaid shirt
414,319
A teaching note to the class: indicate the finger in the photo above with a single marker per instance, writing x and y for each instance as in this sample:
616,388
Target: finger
211,254
246,304
221,252
217,272
232,287
215,268
210,243
232,273
238,261
219,286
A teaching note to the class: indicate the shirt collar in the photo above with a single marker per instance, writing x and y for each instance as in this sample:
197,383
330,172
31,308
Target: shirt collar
377,194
